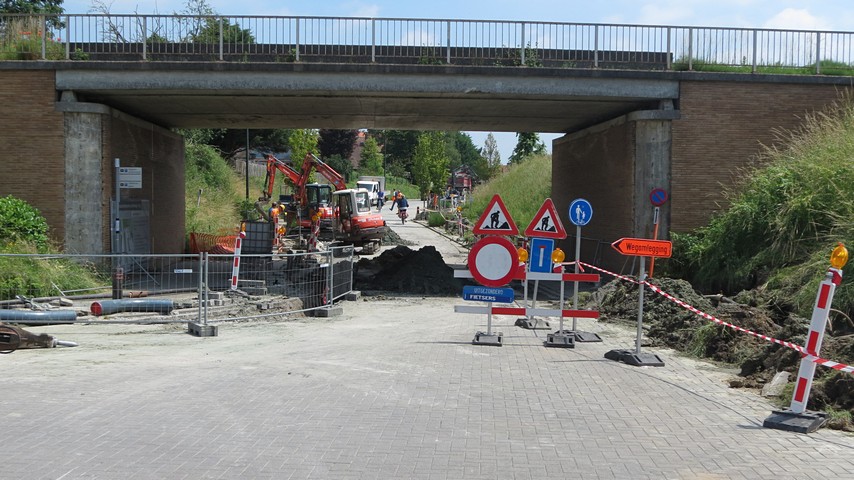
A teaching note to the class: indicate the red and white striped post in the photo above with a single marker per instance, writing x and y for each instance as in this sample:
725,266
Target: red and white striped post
823,300
235,269
796,418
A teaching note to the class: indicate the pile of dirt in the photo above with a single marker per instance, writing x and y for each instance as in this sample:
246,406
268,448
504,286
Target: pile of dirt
404,270
670,325
392,238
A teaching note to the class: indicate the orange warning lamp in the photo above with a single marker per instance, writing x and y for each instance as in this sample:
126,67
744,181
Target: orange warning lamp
558,256
839,257
523,254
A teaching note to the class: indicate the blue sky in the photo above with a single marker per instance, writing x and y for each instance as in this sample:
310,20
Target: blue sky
785,14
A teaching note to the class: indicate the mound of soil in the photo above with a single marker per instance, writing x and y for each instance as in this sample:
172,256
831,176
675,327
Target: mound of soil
670,325
404,270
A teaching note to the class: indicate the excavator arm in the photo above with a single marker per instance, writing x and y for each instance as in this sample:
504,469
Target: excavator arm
274,164
324,169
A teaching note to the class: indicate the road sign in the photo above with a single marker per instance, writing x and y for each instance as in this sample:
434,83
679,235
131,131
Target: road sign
546,223
487,294
541,255
580,212
658,197
495,220
130,177
493,261
643,247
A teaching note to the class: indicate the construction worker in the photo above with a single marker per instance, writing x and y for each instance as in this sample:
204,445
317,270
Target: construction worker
274,220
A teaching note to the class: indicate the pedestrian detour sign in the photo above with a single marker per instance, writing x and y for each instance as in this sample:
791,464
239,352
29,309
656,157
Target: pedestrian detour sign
546,223
495,220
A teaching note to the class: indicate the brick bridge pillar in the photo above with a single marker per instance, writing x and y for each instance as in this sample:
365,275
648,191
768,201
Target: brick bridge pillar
614,165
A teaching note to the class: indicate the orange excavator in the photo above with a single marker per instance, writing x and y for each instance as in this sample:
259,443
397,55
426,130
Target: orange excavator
345,212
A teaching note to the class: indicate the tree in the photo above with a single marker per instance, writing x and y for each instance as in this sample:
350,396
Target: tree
527,144
209,32
491,156
430,162
470,155
398,146
302,142
53,8
371,161
337,142
341,165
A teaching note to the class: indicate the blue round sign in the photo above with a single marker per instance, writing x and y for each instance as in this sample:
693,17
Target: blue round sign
580,212
658,196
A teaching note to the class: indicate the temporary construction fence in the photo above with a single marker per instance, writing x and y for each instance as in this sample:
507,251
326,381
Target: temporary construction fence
143,289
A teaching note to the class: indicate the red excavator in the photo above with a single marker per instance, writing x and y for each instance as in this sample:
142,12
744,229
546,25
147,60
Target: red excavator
345,212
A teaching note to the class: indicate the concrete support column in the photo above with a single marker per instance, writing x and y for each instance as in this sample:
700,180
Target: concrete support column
615,165
652,152
84,179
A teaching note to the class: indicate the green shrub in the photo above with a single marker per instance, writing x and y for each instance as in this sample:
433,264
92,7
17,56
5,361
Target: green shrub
435,219
21,222
204,163
783,220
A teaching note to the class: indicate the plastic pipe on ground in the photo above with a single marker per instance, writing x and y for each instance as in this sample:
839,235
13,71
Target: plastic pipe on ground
106,307
47,316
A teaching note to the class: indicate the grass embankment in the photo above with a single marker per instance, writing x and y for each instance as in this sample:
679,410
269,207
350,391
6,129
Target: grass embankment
772,247
222,204
23,230
784,220
523,189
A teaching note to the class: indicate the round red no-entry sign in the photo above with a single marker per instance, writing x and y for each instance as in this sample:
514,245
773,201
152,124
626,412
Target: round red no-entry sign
493,261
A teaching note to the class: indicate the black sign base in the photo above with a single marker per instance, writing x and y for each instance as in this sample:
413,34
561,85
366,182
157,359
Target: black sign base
559,340
790,421
629,357
533,324
481,338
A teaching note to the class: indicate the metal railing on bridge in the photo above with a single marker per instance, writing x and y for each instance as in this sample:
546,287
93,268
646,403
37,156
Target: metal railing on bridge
133,37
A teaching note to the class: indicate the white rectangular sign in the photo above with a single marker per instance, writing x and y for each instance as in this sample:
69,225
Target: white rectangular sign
130,177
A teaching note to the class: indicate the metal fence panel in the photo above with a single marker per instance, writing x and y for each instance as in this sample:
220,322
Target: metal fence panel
169,288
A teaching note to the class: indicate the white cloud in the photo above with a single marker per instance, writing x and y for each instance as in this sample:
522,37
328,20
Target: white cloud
358,9
668,13
796,19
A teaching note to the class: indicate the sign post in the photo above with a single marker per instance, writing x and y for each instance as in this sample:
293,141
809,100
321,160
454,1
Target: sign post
657,197
493,262
580,214
544,228
640,247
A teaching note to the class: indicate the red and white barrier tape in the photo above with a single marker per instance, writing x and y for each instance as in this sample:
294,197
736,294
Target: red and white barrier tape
798,348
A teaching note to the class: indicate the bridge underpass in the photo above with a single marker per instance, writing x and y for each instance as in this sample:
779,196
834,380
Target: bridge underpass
623,133
407,98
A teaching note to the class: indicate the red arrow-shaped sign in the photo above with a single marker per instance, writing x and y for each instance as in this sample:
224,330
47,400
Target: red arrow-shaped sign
643,247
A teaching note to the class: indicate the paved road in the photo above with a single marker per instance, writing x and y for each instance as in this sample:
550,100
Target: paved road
392,389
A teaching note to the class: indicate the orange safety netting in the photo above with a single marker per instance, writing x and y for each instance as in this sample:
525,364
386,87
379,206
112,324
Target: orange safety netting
205,242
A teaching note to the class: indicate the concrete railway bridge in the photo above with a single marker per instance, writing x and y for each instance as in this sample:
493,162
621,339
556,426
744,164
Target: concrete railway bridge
631,121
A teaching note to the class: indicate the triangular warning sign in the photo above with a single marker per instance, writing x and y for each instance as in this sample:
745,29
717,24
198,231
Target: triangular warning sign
546,223
495,220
